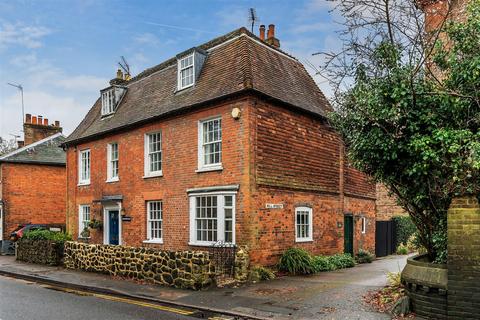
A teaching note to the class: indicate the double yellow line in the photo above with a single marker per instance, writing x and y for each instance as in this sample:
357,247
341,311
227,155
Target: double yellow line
124,300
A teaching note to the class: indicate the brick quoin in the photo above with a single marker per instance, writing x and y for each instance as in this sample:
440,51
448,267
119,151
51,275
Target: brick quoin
274,153
32,193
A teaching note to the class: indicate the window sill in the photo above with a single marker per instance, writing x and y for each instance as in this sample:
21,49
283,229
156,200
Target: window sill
303,240
208,169
153,241
86,183
207,244
153,175
112,180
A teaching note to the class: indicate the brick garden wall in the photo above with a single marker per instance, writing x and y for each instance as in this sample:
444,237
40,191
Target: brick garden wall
463,259
32,194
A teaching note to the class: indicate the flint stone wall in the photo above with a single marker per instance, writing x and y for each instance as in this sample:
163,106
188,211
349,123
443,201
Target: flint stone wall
40,252
180,269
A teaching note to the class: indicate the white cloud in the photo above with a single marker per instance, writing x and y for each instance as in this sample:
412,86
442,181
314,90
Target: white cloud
51,92
19,34
146,38
24,60
68,110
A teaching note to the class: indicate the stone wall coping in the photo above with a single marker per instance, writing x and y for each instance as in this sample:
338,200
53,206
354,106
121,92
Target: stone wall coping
425,274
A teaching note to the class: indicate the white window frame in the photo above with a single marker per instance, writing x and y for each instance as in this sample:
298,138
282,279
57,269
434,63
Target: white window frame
310,224
85,181
202,167
108,102
110,162
81,216
364,225
147,172
150,239
220,217
180,70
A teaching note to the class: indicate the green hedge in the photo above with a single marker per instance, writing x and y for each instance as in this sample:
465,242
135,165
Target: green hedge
404,229
59,237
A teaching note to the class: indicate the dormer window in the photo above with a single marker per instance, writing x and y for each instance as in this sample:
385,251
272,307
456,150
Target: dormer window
111,97
108,102
186,72
189,65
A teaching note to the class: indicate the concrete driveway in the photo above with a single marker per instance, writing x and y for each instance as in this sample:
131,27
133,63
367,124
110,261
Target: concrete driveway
328,295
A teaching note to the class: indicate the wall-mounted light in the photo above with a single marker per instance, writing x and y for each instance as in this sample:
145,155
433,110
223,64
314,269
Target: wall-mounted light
236,113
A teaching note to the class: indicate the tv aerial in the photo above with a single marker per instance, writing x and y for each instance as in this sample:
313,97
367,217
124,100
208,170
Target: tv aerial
124,65
252,17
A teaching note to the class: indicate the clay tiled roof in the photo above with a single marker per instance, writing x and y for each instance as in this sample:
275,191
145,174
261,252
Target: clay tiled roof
236,62
46,151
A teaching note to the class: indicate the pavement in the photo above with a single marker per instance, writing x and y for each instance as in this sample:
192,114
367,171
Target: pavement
329,295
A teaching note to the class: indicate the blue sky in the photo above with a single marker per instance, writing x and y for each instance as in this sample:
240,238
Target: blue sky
64,52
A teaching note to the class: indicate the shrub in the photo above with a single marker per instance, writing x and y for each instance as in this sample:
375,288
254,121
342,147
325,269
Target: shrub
394,279
364,256
322,263
329,263
341,261
263,273
414,244
296,261
402,249
59,237
404,228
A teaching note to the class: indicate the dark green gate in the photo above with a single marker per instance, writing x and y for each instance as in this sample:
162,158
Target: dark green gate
348,234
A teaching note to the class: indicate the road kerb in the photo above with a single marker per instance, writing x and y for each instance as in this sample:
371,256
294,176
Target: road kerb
107,291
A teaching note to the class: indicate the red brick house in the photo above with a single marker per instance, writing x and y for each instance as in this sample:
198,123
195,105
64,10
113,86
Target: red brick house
227,141
33,178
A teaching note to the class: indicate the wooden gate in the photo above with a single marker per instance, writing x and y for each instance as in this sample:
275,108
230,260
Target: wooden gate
385,242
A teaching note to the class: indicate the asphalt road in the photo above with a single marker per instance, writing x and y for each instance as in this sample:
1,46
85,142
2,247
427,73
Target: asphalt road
24,300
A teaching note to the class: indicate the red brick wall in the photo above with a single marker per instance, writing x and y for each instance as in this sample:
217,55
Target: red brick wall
32,194
387,206
298,161
179,146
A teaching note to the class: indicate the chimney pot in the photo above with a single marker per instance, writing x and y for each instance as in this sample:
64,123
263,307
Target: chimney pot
40,120
271,31
119,74
45,122
57,123
28,118
34,120
262,32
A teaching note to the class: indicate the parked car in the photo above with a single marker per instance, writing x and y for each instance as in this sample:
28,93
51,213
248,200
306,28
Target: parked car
21,230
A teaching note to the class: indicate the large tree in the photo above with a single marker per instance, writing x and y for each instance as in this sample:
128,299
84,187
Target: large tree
408,107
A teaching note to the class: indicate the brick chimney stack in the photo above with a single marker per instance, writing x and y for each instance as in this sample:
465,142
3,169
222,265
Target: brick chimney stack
271,40
262,32
37,128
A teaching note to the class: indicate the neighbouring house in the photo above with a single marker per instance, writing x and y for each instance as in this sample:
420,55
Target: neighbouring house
224,142
33,178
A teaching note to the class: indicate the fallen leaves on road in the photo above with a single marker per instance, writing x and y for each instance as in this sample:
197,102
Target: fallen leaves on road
384,299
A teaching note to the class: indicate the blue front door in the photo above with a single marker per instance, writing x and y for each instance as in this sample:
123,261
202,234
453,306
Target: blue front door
113,228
